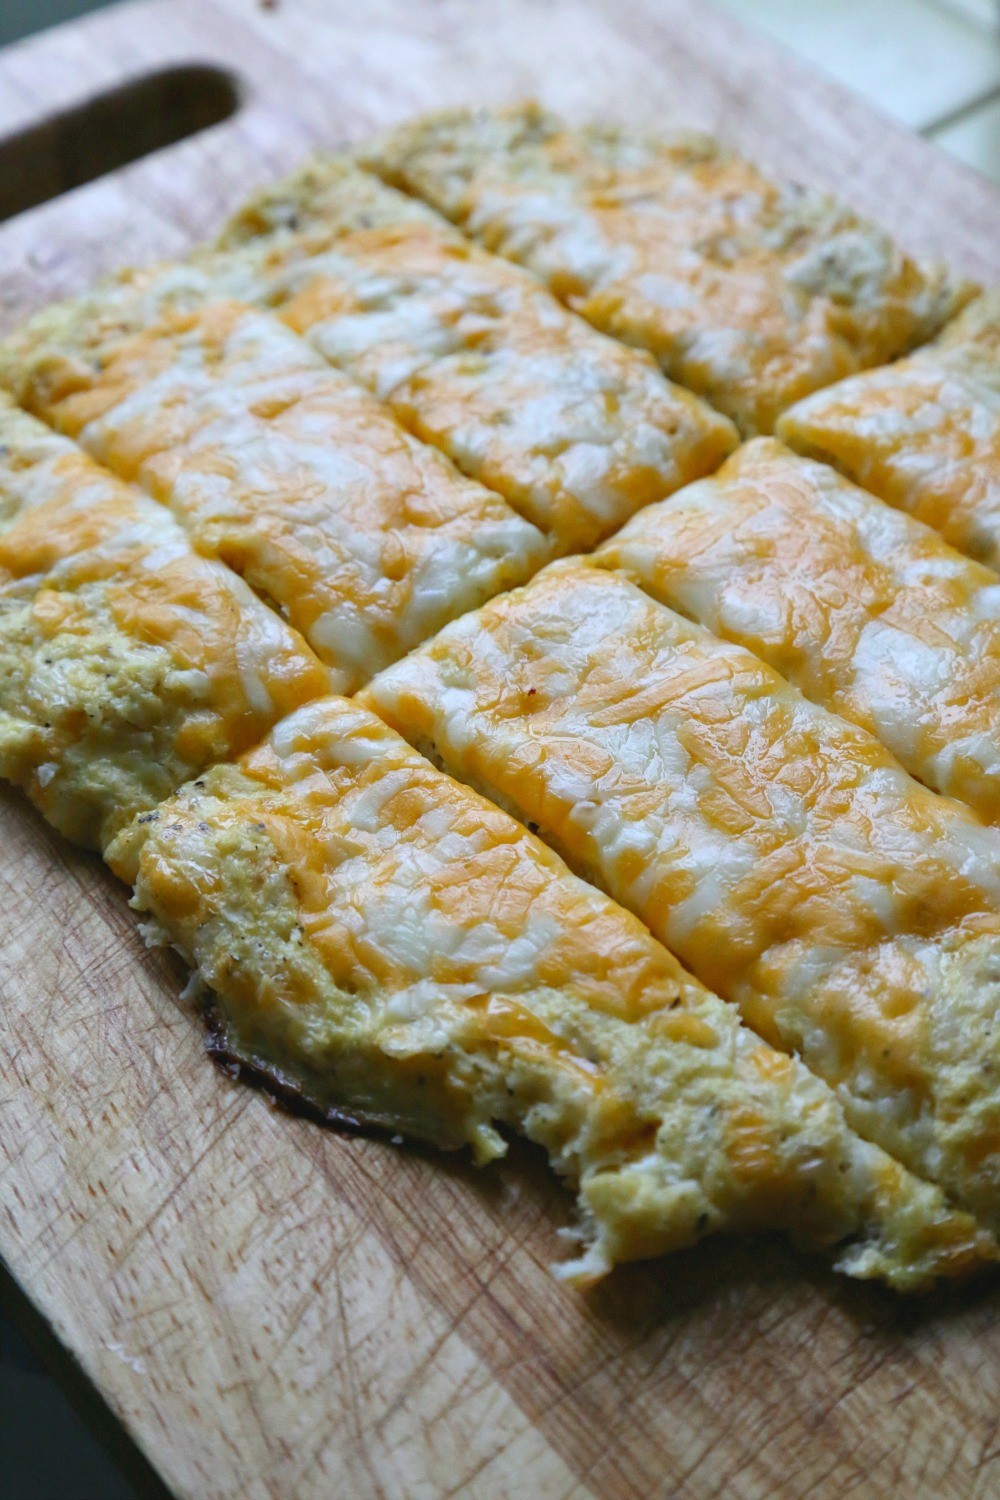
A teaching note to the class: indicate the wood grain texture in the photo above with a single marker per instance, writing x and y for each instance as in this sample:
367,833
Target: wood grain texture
274,1310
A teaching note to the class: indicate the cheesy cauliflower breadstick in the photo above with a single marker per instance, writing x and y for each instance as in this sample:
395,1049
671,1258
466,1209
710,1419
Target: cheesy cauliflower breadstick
278,465
865,610
779,851
924,433
127,662
398,951
752,292
472,353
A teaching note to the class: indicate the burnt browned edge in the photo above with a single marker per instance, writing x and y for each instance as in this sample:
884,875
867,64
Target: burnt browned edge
292,1098
286,1093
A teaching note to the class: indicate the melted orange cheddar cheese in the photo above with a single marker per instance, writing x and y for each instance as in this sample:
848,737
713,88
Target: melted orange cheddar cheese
865,610
780,851
351,410
127,662
388,944
474,356
923,434
299,480
750,291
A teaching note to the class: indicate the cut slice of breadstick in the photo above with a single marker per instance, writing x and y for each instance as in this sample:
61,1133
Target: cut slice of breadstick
923,434
472,354
867,611
751,291
386,944
329,194
127,662
281,467
780,851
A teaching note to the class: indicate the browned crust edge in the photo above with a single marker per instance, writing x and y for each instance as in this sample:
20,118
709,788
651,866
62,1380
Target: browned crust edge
281,1090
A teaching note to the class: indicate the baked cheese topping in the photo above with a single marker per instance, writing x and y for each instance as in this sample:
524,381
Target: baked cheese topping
32,462
780,851
379,425
923,434
475,357
750,291
866,611
386,942
300,481
127,662
977,326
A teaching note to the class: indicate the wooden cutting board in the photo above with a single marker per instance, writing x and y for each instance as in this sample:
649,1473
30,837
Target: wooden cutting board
274,1310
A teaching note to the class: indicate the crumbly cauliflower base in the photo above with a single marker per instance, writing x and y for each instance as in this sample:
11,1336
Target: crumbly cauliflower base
780,851
750,291
127,662
866,611
382,939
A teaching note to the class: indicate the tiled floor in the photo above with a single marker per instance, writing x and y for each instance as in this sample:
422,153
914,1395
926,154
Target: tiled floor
935,65
21,17
975,137
918,60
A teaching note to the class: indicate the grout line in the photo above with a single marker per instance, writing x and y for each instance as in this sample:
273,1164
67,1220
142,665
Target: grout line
988,17
961,112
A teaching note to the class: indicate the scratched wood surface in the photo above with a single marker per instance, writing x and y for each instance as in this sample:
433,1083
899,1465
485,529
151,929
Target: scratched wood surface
273,1310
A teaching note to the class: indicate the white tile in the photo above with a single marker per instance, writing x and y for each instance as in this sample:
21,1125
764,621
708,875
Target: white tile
21,17
976,139
915,59
985,11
